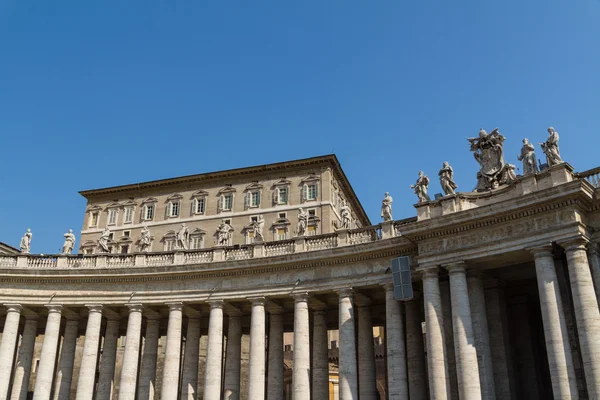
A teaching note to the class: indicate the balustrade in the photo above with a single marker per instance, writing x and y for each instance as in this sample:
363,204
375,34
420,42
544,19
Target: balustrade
198,257
364,235
321,242
160,259
243,253
279,248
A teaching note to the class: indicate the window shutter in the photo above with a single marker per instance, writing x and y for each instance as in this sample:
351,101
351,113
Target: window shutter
258,198
304,192
169,209
220,205
247,200
276,196
316,191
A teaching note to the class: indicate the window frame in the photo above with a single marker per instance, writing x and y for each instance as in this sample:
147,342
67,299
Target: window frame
113,216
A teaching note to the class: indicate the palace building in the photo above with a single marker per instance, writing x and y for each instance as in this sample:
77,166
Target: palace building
269,282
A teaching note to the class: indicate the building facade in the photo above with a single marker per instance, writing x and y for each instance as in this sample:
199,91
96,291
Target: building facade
506,286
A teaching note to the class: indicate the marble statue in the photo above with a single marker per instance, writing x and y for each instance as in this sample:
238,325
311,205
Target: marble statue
550,148
145,240
103,240
488,150
183,237
26,242
511,176
528,157
69,242
386,207
223,234
302,222
447,179
259,227
346,215
421,186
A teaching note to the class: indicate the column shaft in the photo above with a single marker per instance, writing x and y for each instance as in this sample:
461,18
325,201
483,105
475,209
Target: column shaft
233,357
64,373
560,361
481,336
594,257
256,364
396,354
415,351
20,386
129,369
45,371
86,384
10,335
106,375
214,352
348,376
320,348
147,383
367,383
439,386
189,381
170,379
301,364
587,315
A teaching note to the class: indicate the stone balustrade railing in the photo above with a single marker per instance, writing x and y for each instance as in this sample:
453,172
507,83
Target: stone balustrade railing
339,238
592,176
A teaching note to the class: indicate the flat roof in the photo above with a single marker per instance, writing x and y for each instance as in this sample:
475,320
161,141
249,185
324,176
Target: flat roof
329,159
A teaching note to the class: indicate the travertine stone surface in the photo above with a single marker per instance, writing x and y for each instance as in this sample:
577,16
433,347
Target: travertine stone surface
587,314
86,384
415,354
189,380
64,373
366,357
24,358
109,357
348,375
439,386
562,373
129,370
170,381
45,372
212,377
396,353
301,365
320,363
233,357
257,363
147,383
8,345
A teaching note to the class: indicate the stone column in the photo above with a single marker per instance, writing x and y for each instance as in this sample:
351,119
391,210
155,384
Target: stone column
189,381
348,376
560,361
86,385
467,369
233,357
256,364
320,348
109,356
301,364
129,369
367,383
45,371
396,354
23,370
415,350
499,345
439,386
64,374
587,314
8,345
214,352
170,380
481,335
147,383
594,256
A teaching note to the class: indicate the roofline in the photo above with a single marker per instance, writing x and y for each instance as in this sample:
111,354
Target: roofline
328,158
2,244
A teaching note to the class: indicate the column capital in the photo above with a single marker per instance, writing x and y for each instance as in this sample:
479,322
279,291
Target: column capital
457,267
300,296
95,308
175,305
54,308
388,286
257,301
345,292
31,317
135,307
429,271
217,303
541,251
574,244
13,308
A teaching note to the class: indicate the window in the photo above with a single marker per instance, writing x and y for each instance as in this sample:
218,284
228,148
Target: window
169,244
250,237
254,218
112,216
94,219
148,212
128,215
173,209
312,230
199,205
196,242
281,234
283,195
312,213
252,199
312,192
283,215
281,191
126,234
124,249
227,221
226,203
111,236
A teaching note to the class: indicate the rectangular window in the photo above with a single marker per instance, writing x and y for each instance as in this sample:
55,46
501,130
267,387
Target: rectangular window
282,215
196,242
250,237
128,215
112,216
94,219
254,219
124,249
199,205
283,195
169,245
311,193
227,202
312,230
312,213
254,199
281,234
174,209
148,212
111,236
126,233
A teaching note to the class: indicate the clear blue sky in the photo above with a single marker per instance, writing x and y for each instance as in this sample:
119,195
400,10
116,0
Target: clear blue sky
102,93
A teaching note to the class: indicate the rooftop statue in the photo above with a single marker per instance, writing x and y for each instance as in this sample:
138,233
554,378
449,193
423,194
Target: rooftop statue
26,242
302,222
447,179
421,186
103,240
69,242
528,157
550,148
145,240
346,215
386,207
224,234
489,153
183,237
259,227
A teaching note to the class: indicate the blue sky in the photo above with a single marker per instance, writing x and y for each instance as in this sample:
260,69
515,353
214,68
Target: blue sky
96,94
